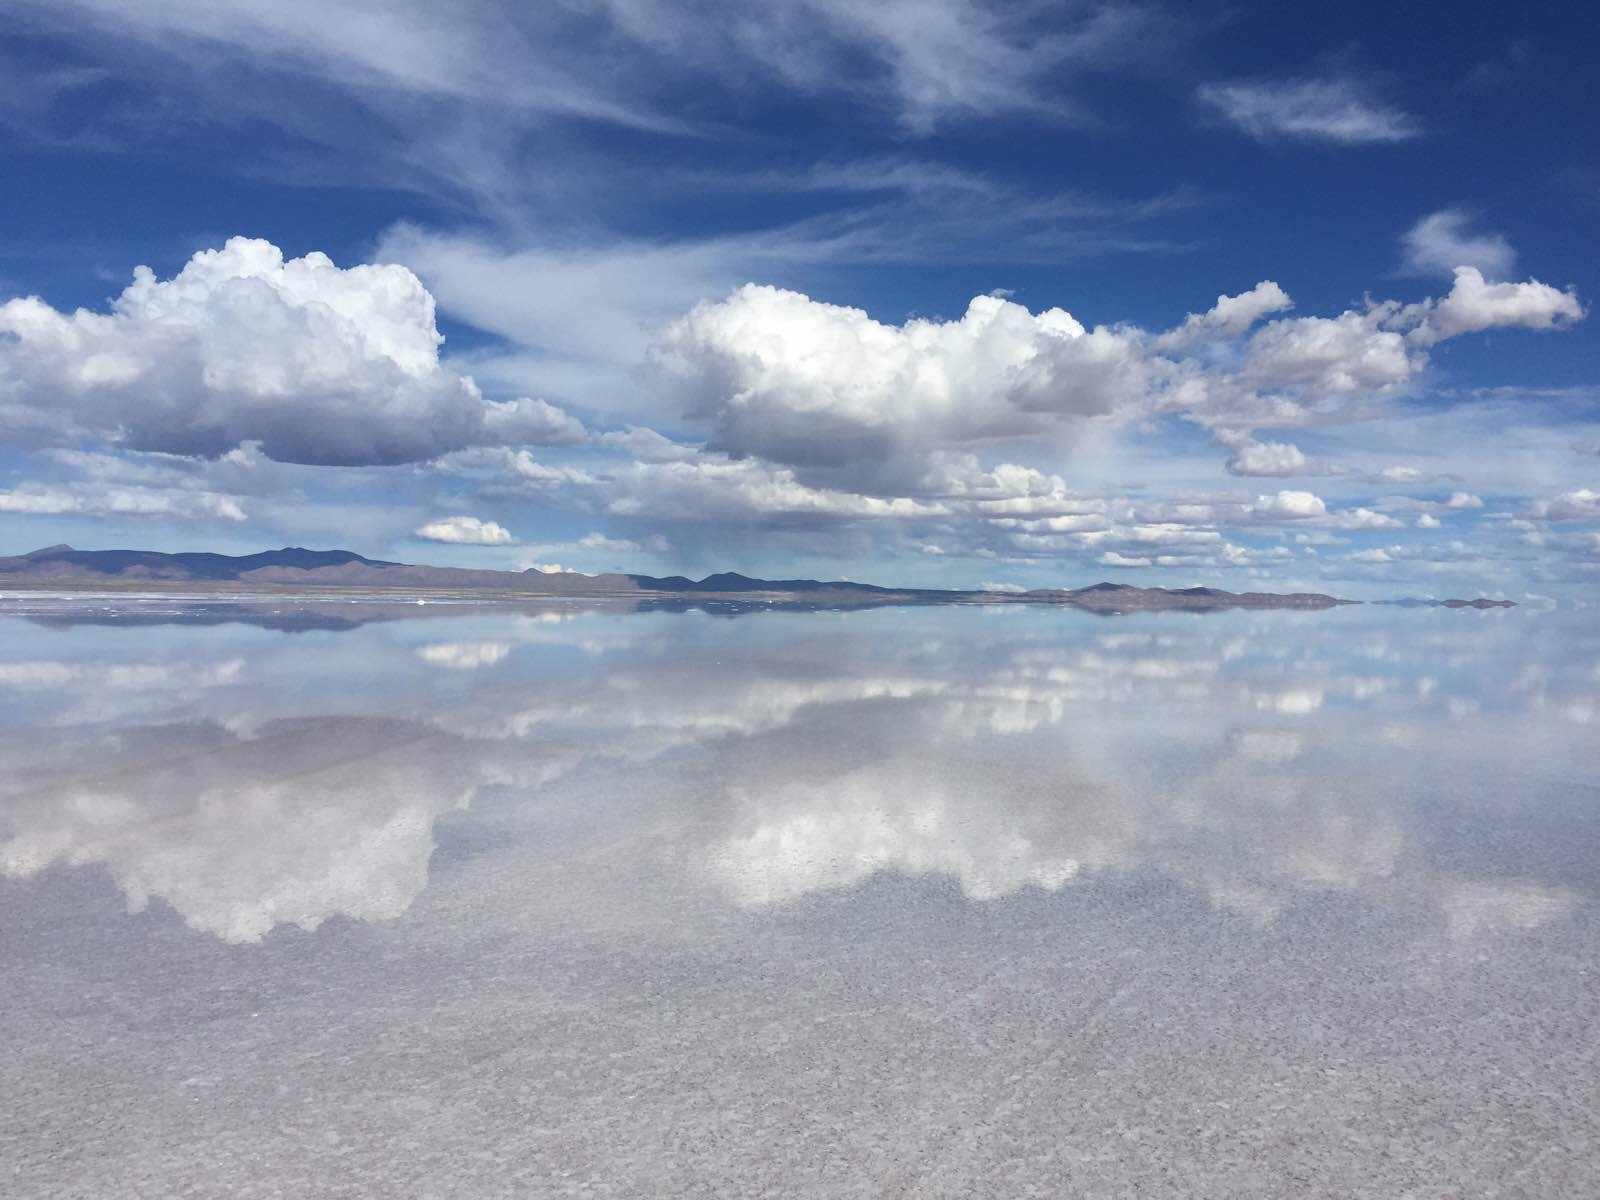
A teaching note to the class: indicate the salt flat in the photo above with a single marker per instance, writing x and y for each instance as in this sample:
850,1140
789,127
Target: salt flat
925,902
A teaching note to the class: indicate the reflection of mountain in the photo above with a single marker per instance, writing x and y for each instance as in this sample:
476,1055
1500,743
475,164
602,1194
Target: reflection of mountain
1246,765
296,614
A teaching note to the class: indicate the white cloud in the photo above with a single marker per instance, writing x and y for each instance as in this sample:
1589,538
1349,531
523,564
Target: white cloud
714,489
1428,521
1580,504
99,500
811,384
800,417
1340,111
853,402
1474,305
1463,500
1361,518
582,355
1290,505
1112,558
318,364
1349,353
1231,316
1442,241
1400,475
1268,459
466,531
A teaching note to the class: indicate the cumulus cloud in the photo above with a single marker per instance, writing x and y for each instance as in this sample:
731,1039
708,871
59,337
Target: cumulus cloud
1339,111
791,379
1361,518
1442,241
466,531
796,415
1230,316
1269,459
318,364
1474,305
1350,353
852,402
1291,505
1580,504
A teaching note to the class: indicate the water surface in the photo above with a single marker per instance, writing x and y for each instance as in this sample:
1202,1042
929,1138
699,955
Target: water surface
481,901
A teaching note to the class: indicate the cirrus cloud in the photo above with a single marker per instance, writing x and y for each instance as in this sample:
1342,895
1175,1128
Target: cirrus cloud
1340,111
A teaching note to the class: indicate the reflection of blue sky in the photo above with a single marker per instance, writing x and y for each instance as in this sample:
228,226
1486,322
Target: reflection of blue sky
250,778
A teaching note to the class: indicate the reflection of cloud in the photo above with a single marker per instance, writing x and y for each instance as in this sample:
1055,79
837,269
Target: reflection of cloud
674,697
1474,908
464,655
118,676
304,822
807,837
1017,755
1268,745
1292,701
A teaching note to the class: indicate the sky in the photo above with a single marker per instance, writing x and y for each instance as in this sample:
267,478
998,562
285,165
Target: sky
932,292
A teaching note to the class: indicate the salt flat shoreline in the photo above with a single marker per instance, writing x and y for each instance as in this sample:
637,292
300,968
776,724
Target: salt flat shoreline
1103,598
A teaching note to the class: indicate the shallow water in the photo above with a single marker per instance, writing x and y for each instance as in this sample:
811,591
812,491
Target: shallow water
937,901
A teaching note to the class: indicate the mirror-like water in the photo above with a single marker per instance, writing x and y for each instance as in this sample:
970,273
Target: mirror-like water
940,901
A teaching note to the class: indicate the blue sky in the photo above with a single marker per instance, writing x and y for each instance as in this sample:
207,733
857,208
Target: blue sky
926,292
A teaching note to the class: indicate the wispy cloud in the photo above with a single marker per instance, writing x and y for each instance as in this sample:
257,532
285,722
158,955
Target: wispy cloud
453,102
1338,110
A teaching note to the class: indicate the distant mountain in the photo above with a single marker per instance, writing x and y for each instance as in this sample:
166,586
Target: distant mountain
296,568
63,561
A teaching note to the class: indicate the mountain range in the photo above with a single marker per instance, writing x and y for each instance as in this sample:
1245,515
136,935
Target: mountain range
296,568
